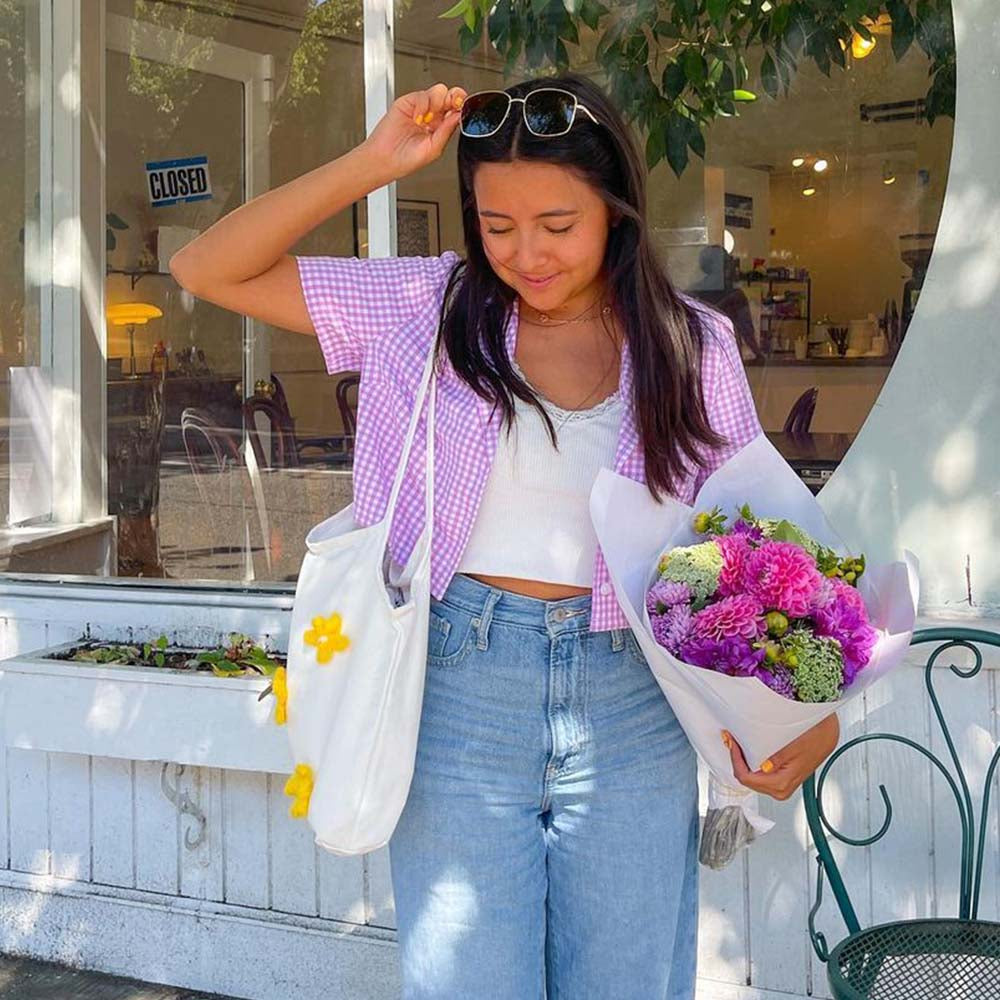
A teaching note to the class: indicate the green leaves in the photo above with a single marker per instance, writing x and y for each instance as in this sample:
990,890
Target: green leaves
674,66
903,27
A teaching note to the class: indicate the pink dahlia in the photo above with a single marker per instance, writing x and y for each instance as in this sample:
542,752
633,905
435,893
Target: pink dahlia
784,577
739,615
734,549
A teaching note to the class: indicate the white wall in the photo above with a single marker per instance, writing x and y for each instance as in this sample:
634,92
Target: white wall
925,470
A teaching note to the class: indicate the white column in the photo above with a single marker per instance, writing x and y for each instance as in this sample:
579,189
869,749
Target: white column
379,95
73,289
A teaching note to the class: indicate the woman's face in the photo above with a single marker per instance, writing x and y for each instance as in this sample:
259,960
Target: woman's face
541,221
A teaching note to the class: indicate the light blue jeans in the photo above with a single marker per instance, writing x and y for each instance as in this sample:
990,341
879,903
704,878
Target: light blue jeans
548,846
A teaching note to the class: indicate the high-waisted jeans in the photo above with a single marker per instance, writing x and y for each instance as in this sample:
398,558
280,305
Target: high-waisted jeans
548,846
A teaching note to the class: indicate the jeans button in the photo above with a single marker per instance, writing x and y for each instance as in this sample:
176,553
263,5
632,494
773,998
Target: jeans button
559,614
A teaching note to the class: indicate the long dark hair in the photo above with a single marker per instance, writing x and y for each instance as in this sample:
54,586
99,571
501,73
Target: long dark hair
664,334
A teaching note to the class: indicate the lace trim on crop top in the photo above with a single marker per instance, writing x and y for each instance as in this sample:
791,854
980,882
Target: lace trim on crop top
566,415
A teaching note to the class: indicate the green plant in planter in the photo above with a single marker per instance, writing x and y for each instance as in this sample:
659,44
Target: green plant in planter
674,66
149,654
240,657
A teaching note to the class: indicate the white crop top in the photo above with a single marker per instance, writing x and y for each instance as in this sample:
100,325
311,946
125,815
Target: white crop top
534,518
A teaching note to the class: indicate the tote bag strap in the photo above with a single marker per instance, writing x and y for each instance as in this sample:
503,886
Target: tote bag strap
429,377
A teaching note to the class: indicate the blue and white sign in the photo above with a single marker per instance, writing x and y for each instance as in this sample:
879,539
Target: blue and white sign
171,182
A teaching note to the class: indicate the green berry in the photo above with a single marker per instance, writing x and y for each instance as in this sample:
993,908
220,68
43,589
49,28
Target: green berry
777,624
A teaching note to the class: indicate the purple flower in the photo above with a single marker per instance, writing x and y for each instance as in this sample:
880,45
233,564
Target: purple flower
779,679
732,656
747,530
665,594
846,620
672,628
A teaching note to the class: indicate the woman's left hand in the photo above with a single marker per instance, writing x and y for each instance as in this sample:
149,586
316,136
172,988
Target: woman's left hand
782,773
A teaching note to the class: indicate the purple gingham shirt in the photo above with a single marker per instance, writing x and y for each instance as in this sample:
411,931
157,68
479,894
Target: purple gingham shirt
379,317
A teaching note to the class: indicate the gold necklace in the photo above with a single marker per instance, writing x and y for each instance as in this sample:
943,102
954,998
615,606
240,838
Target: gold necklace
545,320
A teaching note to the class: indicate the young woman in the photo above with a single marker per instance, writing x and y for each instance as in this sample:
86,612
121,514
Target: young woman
549,840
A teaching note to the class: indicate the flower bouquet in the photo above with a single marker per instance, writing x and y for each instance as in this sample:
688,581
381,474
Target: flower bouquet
763,599
762,628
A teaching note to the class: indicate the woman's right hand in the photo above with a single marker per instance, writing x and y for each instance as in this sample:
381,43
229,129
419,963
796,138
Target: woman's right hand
416,129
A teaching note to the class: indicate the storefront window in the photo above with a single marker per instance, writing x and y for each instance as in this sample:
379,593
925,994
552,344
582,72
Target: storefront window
222,440
226,439
25,421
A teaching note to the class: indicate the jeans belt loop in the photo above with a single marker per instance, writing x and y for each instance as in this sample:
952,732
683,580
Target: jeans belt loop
485,617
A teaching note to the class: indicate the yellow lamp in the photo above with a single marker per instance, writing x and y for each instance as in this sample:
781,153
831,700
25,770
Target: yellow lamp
130,314
861,47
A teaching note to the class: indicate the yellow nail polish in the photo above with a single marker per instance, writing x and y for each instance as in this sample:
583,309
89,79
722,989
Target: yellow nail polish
459,102
726,739
428,116
767,767
418,119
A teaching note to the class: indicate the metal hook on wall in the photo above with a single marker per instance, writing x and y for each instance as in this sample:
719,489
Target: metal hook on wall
184,804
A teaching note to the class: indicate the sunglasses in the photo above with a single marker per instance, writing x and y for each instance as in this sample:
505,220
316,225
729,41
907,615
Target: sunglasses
548,112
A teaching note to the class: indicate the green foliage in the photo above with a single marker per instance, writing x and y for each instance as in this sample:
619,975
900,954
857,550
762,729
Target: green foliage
674,66
241,656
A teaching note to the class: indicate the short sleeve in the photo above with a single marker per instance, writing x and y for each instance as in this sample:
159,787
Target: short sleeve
729,402
353,301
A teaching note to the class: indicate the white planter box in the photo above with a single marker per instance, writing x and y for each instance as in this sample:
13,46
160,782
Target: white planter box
141,713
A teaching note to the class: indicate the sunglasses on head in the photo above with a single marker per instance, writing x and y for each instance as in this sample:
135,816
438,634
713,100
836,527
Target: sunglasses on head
548,111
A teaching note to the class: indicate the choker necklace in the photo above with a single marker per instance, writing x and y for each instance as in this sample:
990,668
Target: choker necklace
545,320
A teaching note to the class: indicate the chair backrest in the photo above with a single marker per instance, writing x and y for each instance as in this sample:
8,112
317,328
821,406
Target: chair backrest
280,396
973,841
348,410
800,415
282,435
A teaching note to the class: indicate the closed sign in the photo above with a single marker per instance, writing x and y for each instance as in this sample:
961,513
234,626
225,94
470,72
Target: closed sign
170,182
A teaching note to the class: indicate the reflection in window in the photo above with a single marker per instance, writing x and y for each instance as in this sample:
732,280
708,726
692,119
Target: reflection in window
226,438
25,368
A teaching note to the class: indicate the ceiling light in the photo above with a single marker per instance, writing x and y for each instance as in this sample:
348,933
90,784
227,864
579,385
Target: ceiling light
888,174
798,161
861,47
808,191
820,165
891,179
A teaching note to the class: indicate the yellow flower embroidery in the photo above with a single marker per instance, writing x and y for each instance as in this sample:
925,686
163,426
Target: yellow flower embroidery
279,688
299,786
326,636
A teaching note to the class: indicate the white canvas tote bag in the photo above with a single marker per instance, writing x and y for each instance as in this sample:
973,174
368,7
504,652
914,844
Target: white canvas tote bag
357,650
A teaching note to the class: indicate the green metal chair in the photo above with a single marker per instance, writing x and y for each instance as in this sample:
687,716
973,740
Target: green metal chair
946,958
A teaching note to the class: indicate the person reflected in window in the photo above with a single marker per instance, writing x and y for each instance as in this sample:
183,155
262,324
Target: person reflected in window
717,287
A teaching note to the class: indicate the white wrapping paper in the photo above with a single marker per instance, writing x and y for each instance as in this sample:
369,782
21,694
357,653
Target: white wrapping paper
633,530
